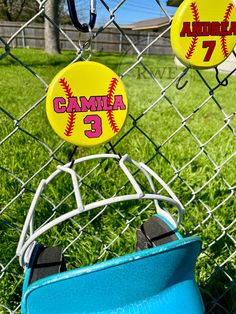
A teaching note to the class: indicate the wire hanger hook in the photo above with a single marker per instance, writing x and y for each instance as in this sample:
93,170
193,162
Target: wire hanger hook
221,83
180,78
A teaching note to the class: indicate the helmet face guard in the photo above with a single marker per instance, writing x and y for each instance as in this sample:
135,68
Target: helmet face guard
30,234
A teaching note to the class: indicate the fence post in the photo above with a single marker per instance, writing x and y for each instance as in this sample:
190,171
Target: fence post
120,44
23,38
148,41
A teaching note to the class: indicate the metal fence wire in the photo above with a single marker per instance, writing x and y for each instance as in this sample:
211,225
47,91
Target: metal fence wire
186,135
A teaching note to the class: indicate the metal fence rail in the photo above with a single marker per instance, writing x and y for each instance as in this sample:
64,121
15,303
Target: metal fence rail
208,193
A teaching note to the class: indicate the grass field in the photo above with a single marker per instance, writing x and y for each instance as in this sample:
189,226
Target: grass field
150,135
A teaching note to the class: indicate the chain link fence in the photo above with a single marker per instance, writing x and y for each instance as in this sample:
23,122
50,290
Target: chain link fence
181,123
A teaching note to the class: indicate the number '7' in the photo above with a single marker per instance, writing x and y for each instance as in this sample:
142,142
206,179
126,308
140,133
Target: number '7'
211,46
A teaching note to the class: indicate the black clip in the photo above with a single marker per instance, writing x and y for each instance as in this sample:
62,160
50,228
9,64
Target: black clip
71,159
221,83
85,28
180,78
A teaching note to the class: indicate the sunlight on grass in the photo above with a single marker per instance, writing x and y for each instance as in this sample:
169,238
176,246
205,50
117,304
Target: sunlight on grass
148,139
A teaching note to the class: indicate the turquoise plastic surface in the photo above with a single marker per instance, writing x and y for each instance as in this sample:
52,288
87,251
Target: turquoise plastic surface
157,280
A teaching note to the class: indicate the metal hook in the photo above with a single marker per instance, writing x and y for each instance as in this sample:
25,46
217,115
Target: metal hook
74,18
222,83
180,78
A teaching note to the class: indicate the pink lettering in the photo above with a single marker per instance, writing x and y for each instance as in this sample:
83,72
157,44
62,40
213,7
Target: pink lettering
88,104
119,104
106,106
99,103
94,103
57,102
73,105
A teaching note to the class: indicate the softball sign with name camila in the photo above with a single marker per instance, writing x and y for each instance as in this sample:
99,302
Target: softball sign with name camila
86,104
203,32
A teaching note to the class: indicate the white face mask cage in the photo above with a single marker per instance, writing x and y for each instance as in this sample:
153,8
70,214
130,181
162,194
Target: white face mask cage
26,243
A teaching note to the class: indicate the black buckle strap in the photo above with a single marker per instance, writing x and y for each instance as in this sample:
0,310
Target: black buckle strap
154,232
46,261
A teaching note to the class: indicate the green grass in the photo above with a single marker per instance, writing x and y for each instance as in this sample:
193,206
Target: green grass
150,139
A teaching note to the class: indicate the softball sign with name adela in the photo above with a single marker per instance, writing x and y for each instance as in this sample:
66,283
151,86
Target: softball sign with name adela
86,104
203,33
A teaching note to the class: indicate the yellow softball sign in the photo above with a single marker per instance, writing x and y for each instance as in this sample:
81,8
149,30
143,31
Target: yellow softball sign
203,32
86,104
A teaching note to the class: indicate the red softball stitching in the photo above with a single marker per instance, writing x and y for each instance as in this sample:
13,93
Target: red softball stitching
110,97
72,115
194,41
224,47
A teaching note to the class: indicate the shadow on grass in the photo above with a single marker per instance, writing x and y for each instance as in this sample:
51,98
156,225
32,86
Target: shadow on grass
219,294
219,291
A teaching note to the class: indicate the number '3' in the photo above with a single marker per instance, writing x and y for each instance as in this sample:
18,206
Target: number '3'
96,126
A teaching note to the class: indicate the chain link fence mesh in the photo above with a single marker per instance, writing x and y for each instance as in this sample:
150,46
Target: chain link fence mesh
186,135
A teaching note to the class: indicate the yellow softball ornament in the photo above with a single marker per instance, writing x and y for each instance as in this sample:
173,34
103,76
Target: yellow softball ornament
203,32
86,104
